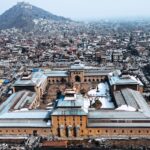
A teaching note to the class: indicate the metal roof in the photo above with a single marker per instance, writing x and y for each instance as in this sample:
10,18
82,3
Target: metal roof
24,123
5,106
77,101
17,100
114,114
116,80
36,79
126,97
69,111
119,99
56,73
96,72
32,114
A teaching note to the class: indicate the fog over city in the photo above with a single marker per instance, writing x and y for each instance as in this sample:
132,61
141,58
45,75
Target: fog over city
89,9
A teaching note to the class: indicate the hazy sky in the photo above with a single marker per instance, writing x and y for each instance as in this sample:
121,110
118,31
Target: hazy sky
88,9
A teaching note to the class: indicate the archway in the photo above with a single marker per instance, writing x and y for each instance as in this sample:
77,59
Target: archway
63,80
77,79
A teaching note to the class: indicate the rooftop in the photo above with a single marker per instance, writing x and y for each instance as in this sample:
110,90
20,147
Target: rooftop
126,97
133,99
18,101
116,80
36,79
69,111
77,65
50,73
76,101
114,114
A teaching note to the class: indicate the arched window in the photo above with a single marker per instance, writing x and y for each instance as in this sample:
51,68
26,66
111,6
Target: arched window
63,80
147,131
77,79
139,131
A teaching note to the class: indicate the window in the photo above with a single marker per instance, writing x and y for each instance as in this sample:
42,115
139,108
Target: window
77,79
130,131
147,131
24,130
12,130
106,131
98,131
6,130
93,80
114,131
89,80
57,118
85,80
35,132
80,118
139,131
122,131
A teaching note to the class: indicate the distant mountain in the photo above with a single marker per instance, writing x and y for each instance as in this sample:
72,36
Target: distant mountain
23,14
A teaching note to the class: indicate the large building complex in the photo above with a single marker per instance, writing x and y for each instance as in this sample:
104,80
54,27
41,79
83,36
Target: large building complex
113,107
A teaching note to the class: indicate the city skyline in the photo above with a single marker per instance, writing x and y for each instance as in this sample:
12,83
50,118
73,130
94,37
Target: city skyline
89,9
